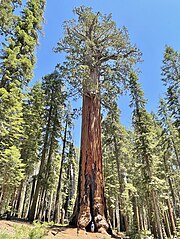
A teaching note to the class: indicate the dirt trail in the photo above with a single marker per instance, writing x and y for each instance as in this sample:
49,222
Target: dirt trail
54,232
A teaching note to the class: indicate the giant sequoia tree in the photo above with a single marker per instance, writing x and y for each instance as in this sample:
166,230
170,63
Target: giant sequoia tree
98,61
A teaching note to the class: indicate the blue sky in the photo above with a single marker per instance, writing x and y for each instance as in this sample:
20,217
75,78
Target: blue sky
152,24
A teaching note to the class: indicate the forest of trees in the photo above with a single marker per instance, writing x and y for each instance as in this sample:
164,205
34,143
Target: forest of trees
123,180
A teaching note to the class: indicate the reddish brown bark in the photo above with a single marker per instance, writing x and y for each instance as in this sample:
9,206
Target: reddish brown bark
91,202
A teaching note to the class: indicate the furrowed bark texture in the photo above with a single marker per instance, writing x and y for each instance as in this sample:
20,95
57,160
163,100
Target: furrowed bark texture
91,202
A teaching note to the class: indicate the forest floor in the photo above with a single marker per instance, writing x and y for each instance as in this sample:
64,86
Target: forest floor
56,232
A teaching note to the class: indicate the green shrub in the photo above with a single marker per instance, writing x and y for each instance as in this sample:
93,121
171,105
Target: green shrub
25,232
145,234
3,235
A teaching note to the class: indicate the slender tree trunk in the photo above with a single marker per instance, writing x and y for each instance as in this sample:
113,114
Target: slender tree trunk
157,215
175,149
71,181
33,187
19,195
90,200
47,171
50,206
3,196
67,200
168,229
117,214
21,199
41,204
32,212
171,216
136,220
14,199
25,208
150,214
114,218
171,186
57,201
143,217
120,179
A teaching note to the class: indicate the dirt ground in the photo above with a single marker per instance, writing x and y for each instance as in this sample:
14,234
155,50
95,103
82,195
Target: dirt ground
54,232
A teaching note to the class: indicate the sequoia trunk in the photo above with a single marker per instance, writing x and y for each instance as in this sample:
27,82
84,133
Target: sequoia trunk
90,201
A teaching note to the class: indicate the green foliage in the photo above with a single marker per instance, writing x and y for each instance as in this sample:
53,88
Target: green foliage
33,111
170,73
178,227
12,121
4,236
38,231
150,181
16,66
53,117
117,158
99,61
7,17
145,234
18,57
12,167
99,56
11,136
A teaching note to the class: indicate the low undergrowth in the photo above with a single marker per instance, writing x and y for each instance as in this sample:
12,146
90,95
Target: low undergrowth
38,231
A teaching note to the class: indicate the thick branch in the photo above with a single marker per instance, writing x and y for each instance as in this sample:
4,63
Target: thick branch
78,34
116,56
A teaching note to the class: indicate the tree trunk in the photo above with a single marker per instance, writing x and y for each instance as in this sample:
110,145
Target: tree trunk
136,218
14,199
50,205
171,186
90,200
32,212
166,220
32,190
114,218
171,216
157,215
144,219
47,171
57,209
117,214
42,204
21,198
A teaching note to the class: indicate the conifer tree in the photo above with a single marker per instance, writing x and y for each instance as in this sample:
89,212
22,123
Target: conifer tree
70,180
117,155
55,97
169,130
98,60
33,110
7,17
171,79
11,136
15,72
169,146
66,139
18,58
149,157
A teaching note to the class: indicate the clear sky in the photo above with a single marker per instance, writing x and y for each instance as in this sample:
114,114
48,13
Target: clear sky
152,24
